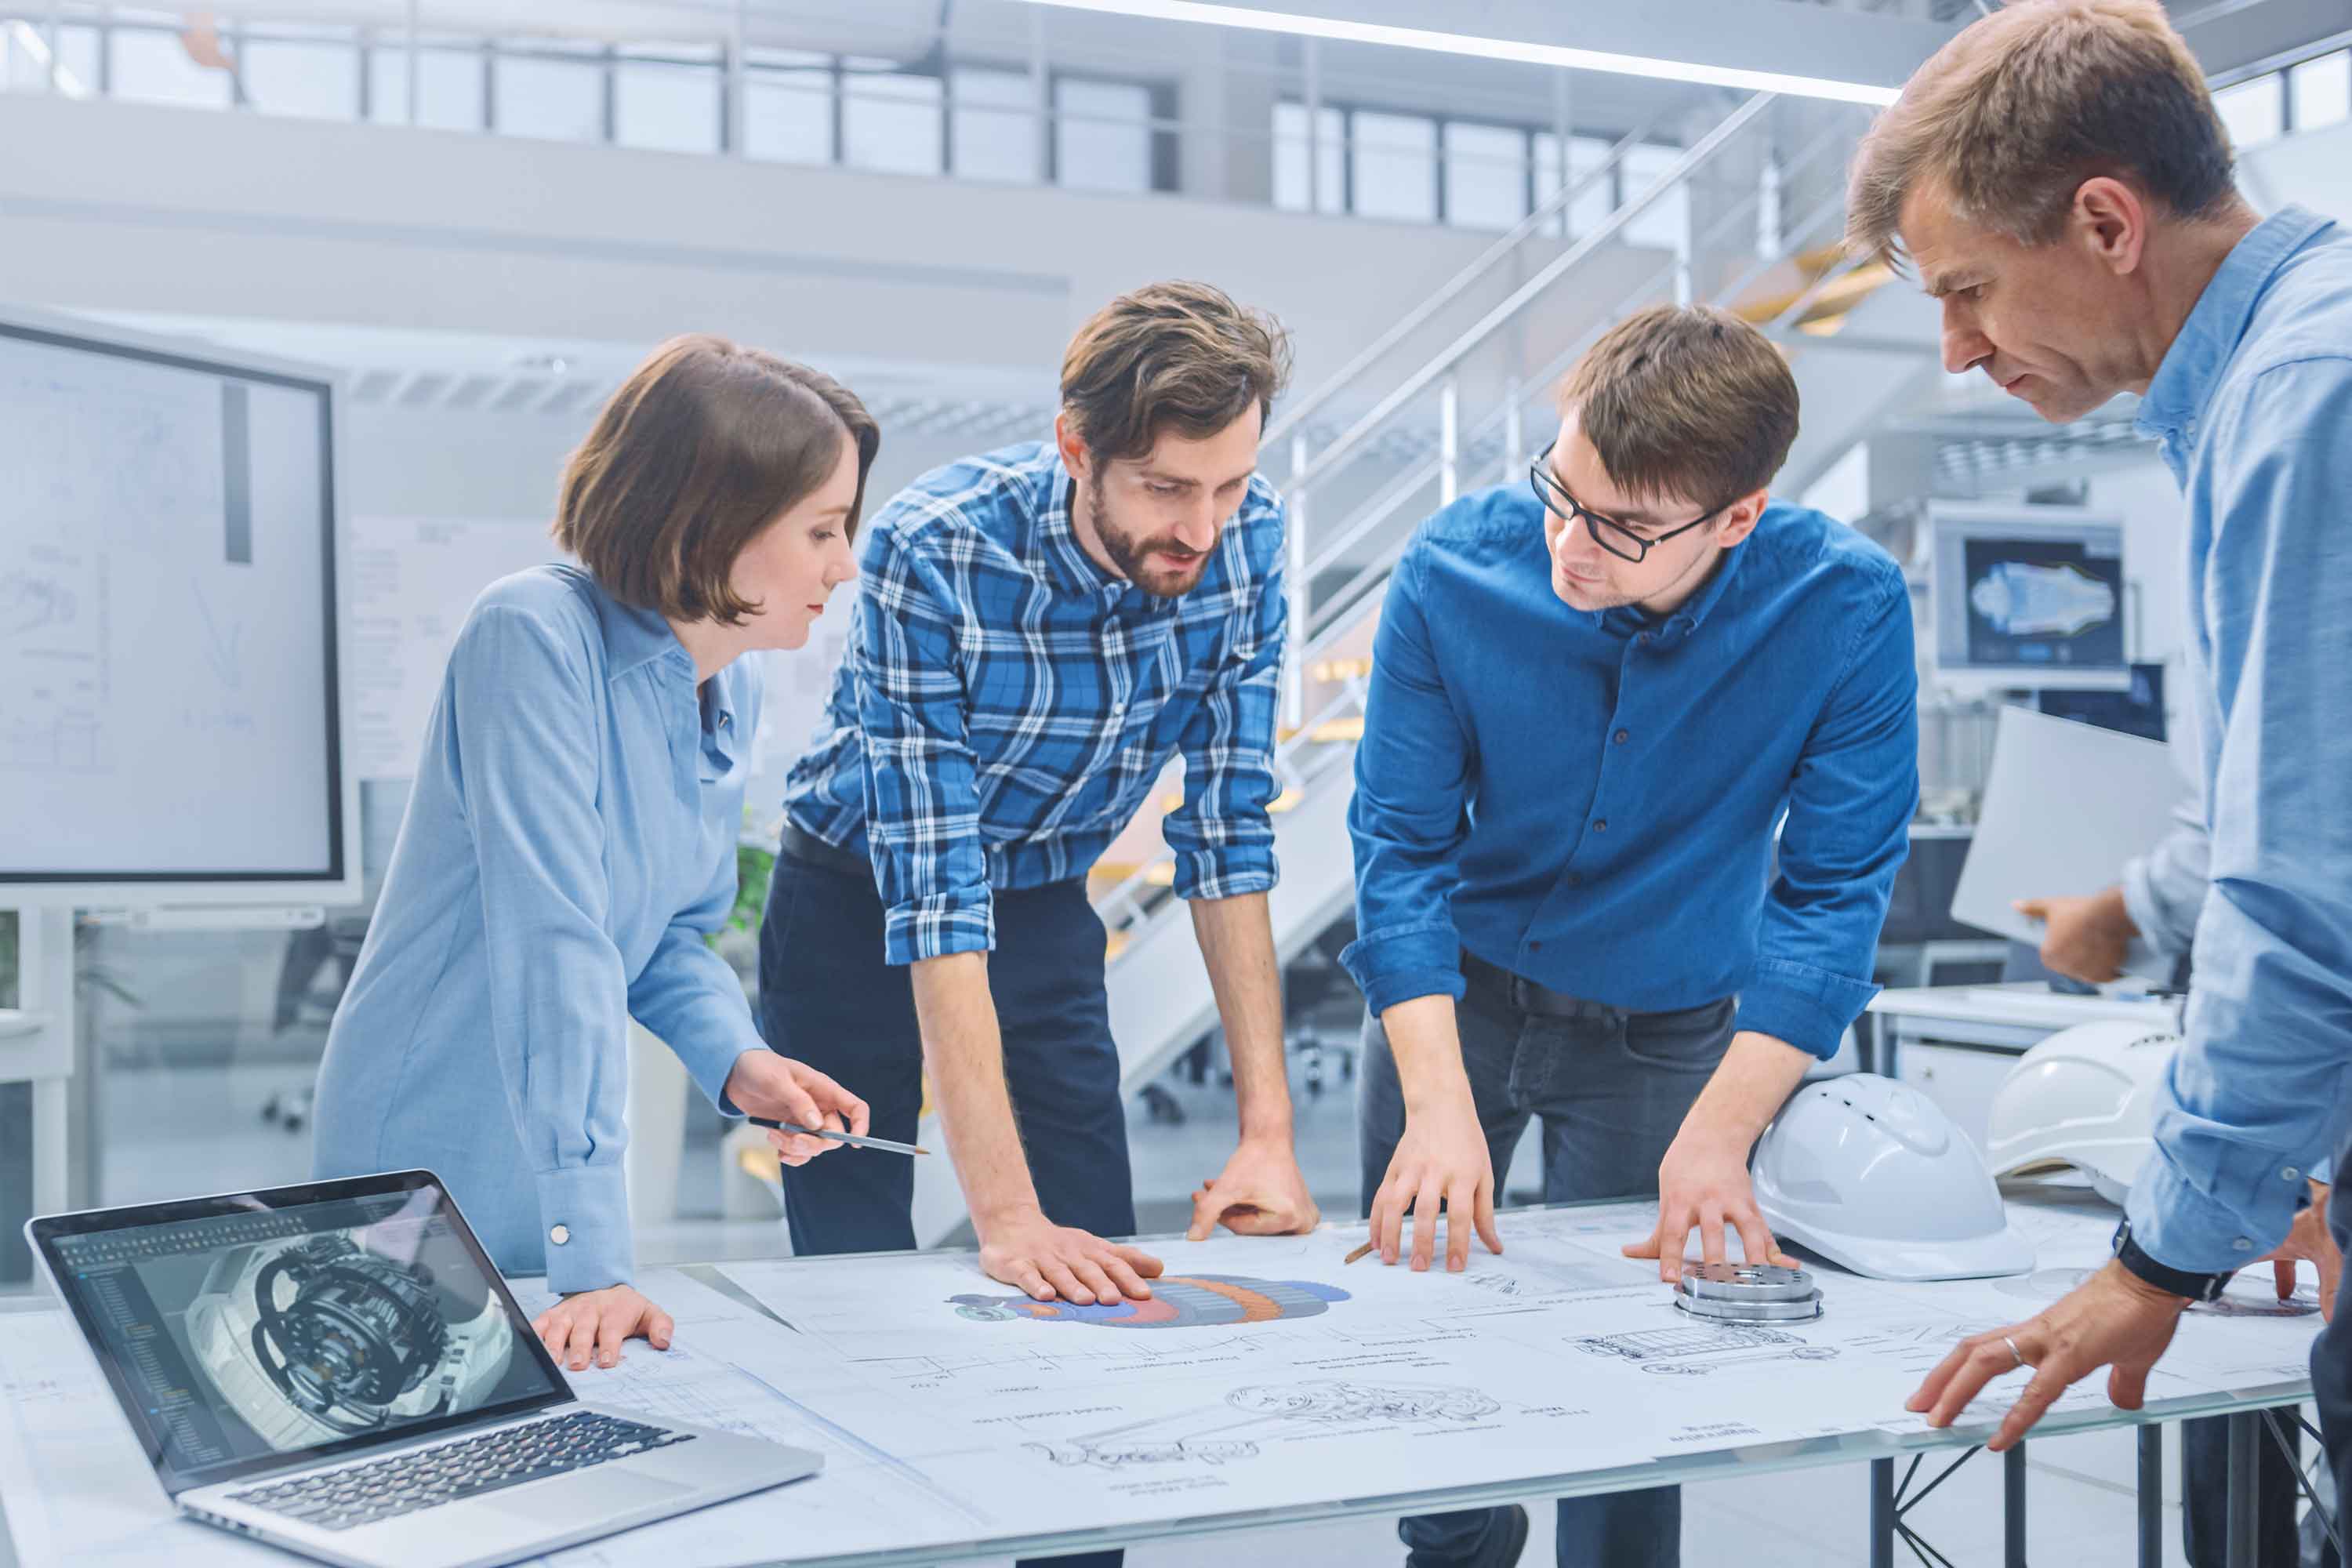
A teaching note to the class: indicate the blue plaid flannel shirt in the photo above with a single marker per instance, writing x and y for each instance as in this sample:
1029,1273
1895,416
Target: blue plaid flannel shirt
1004,704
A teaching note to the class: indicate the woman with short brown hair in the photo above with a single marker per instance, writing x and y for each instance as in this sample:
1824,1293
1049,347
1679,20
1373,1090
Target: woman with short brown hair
570,839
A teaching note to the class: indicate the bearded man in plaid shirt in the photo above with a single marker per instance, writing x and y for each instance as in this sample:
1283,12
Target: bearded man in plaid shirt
1036,632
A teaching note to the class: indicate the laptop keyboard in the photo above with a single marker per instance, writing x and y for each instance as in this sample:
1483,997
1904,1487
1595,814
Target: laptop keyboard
428,1478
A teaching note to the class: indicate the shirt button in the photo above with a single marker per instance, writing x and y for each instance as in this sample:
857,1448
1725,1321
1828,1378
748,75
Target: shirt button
1622,736
1601,826
2241,1245
1535,947
1576,878
2290,1174
559,1234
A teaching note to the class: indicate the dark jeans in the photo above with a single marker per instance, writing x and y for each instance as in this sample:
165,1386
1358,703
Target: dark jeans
828,999
1612,1089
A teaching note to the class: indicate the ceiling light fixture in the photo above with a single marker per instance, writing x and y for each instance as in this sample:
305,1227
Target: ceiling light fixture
1255,19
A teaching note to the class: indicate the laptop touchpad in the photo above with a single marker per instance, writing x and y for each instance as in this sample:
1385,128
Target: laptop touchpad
572,1499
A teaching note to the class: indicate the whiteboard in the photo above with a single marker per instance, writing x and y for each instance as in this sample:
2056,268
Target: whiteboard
413,581
171,718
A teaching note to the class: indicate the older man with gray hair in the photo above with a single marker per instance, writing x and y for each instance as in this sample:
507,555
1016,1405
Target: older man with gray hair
2058,178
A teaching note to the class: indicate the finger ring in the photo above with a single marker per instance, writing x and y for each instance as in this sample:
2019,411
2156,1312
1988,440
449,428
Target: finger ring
2013,1349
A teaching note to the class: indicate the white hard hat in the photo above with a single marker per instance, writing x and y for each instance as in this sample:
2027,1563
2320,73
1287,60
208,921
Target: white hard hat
1874,1175
2084,1097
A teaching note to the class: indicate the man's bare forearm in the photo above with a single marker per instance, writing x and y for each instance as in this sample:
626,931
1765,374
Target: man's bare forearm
1426,1042
1236,938
1756,1076
965,1055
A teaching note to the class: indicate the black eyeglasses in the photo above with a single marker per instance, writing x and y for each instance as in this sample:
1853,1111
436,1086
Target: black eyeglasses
1606,531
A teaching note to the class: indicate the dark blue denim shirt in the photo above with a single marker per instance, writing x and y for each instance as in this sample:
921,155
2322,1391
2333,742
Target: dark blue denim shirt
1590,799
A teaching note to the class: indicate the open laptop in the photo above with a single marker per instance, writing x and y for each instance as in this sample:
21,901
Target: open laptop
336,1369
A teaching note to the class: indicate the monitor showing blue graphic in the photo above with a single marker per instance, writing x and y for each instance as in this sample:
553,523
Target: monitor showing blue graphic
2029,596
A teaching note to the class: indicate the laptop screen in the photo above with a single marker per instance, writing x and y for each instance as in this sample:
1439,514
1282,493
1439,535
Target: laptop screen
240,1332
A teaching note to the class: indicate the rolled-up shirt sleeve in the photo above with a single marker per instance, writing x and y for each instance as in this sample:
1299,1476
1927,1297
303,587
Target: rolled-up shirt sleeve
1850,801
2256,1091
525,731
1408,820
923,792
1222,835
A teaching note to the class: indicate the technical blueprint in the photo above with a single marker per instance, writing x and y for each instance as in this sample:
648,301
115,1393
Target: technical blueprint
1265,1373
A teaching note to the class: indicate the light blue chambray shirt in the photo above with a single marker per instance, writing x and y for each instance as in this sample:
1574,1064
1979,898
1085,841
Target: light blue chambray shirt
2253,407
570,840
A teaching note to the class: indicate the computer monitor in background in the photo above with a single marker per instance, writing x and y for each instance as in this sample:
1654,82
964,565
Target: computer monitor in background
2027,596
2137,709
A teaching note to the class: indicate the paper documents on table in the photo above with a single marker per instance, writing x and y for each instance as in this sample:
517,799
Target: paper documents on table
954,1413
1263,1373
2066,805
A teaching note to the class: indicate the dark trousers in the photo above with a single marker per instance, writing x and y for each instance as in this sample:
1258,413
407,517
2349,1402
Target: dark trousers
1610,1088
828,999
2205,1495
2331,1354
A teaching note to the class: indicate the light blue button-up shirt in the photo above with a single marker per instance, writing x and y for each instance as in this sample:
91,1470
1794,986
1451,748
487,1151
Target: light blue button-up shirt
2253,407
570,840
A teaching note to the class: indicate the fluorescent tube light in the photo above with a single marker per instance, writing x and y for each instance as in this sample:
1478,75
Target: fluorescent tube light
1255,19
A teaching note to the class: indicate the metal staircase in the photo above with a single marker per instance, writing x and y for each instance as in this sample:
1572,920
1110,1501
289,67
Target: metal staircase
1453,396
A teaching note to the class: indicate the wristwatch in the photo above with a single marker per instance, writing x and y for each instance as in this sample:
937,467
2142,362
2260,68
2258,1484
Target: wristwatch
2175,1281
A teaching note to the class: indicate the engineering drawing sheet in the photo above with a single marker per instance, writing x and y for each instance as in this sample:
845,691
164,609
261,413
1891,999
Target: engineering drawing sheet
951,1411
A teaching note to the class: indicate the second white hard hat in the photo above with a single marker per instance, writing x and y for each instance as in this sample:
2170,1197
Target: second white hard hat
1872,1174
2085,1097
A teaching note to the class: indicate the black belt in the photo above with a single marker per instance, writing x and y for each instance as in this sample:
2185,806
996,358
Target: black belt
1516,990
814,851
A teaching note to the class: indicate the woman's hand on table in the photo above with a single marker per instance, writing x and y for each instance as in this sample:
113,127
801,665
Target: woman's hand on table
592,1325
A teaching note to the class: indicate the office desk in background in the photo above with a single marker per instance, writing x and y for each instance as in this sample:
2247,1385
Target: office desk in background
1955,1043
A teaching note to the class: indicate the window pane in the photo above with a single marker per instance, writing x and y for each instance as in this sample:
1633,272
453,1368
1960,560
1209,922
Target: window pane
1396,166
540,93
25,55
316,80
669,103
1290,160
1665,222
152,65
1585,154
2323,90
993,125
449,77
889,120
1105,144
1485,175
76,49
788,106
2253,111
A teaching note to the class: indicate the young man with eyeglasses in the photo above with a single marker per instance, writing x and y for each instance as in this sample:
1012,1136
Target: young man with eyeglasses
1594,699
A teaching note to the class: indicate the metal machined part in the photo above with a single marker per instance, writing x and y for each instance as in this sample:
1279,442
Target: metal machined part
1748,1293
